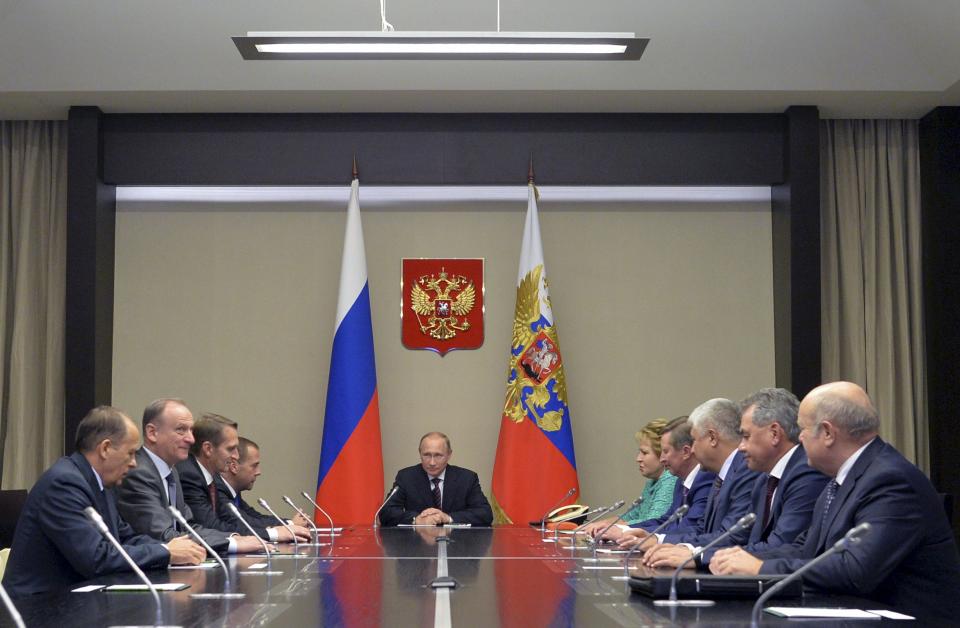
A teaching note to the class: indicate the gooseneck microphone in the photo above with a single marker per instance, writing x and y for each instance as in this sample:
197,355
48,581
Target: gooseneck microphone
102,528
14,613
744,522
852,537
226,573
236,513
317,506
543,520
316,530
603,512
676,516
376,516
596,539
264,504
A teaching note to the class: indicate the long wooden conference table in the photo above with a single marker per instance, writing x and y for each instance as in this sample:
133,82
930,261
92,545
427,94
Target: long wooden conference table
464,577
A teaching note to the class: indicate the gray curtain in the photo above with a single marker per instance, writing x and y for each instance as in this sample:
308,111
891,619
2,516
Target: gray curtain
33,217
872,299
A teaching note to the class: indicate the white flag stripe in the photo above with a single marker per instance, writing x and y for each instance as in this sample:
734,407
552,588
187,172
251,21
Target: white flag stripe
531,252
353,267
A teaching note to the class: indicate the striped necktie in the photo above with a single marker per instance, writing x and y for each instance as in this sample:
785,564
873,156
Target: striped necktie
437,498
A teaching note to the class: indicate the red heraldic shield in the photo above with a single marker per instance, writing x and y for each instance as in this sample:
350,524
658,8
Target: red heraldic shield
442,304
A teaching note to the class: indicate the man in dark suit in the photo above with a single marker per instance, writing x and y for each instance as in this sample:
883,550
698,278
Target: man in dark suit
715,430
693,486
434,492
784,495
240,475
215,447
908,559
148,490
55,545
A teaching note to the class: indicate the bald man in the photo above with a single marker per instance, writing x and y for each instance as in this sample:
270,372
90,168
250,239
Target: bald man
909,559
435,492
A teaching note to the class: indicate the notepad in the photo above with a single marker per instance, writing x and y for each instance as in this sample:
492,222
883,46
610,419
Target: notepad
207,564
134,588
88,588
794,612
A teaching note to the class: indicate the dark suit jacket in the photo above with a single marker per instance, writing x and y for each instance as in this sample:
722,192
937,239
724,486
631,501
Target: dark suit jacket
462,498
142,500
696,499
257,520
731,502
196,496
55,546
908,560
797,493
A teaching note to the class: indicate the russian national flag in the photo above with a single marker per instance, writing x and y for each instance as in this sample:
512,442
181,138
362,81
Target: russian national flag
350,482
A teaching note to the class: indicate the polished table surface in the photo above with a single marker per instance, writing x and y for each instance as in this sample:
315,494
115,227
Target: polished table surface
507,576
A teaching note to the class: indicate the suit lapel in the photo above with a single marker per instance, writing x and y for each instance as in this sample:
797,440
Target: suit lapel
864,461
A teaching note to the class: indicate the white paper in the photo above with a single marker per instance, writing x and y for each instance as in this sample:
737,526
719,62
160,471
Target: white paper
89,588
820,613
891,614
164,586
258,566
207,564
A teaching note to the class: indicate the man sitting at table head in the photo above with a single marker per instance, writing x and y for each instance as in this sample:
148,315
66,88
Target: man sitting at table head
144,498
435,492
55,545
238,476
908,559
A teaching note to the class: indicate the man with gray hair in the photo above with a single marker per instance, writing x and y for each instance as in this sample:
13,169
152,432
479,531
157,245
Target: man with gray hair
784,496
908,559
715,429
55,546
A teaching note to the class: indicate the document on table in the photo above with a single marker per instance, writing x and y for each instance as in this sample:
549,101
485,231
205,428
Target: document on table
796,612
163,586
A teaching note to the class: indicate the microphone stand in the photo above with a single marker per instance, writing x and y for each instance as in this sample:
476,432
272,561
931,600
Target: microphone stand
376,515
15,614
316,532
543,520
266,550
745,522
676,516
598,537
556,530
606,511
852,537
102,528
226,573
317,506
264,504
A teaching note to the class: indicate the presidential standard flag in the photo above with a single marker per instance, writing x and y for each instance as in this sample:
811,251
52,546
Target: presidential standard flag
535,464
350,481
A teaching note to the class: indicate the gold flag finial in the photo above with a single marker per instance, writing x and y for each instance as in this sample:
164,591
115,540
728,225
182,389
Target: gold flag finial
530,171
356,172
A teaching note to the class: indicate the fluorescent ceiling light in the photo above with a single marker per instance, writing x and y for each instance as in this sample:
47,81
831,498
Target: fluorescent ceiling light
439,45
334,198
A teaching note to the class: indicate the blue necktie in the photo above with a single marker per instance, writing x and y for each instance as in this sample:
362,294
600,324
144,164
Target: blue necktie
831,493
172,494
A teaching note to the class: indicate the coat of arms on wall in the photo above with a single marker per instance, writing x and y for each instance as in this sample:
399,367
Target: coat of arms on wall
442,304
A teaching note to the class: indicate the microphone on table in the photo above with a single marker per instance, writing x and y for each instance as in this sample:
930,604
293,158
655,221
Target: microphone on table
102,528
236,513
14,613
745,522
596,539
676,516
603,512
543,520
376,516
852,537
316,531
317,506
264,504
226,573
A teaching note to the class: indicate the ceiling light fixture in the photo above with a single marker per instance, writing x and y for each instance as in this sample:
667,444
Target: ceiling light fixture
439,45
390,44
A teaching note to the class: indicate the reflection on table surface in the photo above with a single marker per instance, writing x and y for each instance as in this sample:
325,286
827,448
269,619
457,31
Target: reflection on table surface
506,576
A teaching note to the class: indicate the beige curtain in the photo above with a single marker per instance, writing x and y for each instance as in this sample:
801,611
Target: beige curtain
872,299
33,217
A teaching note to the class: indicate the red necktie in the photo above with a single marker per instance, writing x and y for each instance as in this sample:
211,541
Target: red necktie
212,492
771,488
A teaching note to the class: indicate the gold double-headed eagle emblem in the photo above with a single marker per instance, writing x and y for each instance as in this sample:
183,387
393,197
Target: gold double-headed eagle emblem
453,296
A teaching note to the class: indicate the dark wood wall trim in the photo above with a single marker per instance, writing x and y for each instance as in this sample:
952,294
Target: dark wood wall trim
91,210
106,150
940,198
444,149
796,254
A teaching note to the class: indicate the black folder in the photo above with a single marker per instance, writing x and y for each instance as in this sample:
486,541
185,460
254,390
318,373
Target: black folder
711,587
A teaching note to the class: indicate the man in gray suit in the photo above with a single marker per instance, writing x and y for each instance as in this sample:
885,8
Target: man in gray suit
154,484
